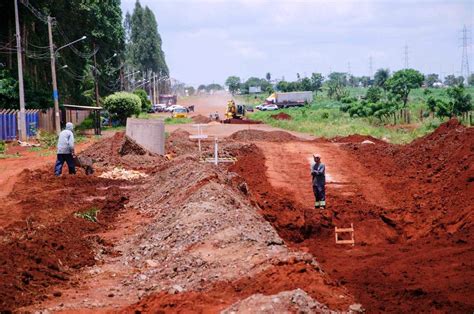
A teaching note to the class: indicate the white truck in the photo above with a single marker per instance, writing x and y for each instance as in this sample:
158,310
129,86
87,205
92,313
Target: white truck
291,99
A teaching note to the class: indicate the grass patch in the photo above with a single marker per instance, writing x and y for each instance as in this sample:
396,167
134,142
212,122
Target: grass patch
5,156
117,128
178,120
324,121
35,149
47,139
90,214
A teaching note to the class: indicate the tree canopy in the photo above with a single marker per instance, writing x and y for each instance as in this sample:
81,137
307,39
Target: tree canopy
144,41
381,76
402,82
100,21
233,83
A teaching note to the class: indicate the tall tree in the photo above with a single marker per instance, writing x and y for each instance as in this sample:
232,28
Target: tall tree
233,83
100,21
144,46
402,82
268,76
316,81
381,76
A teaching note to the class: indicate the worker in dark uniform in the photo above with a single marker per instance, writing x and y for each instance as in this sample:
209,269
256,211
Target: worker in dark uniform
319,181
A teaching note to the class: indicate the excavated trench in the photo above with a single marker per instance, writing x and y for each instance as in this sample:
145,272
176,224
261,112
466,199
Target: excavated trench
414,257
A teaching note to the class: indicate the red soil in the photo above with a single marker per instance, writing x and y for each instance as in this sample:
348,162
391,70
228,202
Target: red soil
241,121
281,116
121,151
257,135
216,297
201,119
355,138
46,242
420,257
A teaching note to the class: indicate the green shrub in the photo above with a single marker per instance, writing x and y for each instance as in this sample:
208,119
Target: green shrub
87,124
348,100
90,214
47,139
145,103
3,147
374,94
122,105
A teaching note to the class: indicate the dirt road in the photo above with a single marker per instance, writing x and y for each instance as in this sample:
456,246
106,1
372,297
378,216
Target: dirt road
288,166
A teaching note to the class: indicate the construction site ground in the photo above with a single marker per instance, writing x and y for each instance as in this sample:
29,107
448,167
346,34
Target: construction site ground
187,236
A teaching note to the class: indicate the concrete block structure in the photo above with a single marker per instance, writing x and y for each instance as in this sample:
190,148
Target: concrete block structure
148,133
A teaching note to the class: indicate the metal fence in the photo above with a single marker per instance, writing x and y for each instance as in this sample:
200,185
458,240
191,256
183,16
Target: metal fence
35,119
9,123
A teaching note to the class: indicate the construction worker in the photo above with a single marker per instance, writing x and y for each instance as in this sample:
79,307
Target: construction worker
65,150
319,181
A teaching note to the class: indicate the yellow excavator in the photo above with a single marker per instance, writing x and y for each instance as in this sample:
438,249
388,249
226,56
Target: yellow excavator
234,111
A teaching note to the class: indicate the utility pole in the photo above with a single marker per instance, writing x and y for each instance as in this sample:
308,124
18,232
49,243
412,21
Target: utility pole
406,56
21,120
57,121
465,56
95,79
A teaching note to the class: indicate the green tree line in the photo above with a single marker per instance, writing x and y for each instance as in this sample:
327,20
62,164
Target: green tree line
104,56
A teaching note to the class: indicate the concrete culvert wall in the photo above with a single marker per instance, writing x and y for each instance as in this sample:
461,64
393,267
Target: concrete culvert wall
148,133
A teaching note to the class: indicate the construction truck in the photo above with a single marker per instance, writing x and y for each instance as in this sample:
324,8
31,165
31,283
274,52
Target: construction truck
234,111
291,99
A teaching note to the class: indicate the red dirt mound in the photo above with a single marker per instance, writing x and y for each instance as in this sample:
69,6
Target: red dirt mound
432,178
281,116
242,121
201,119
48,243
355,138
214,298
122,151
257,135
178,143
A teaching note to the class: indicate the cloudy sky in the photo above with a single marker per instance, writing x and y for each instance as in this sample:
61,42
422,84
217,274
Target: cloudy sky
205,41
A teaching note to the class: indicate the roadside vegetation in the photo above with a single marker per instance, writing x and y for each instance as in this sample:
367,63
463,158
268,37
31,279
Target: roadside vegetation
395,108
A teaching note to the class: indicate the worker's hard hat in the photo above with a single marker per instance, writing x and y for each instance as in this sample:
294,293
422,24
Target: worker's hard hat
316,155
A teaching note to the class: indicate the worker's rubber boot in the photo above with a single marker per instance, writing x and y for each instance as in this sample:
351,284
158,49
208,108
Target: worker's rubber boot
323,204
316,204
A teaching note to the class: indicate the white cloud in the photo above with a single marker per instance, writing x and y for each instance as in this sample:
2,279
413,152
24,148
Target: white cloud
207,40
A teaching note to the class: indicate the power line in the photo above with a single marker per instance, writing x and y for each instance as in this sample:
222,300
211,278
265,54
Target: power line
465,56
42,17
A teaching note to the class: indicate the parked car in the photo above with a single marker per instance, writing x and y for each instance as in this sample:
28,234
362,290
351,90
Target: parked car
259,107
249,109
173,107
159,107
269,107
